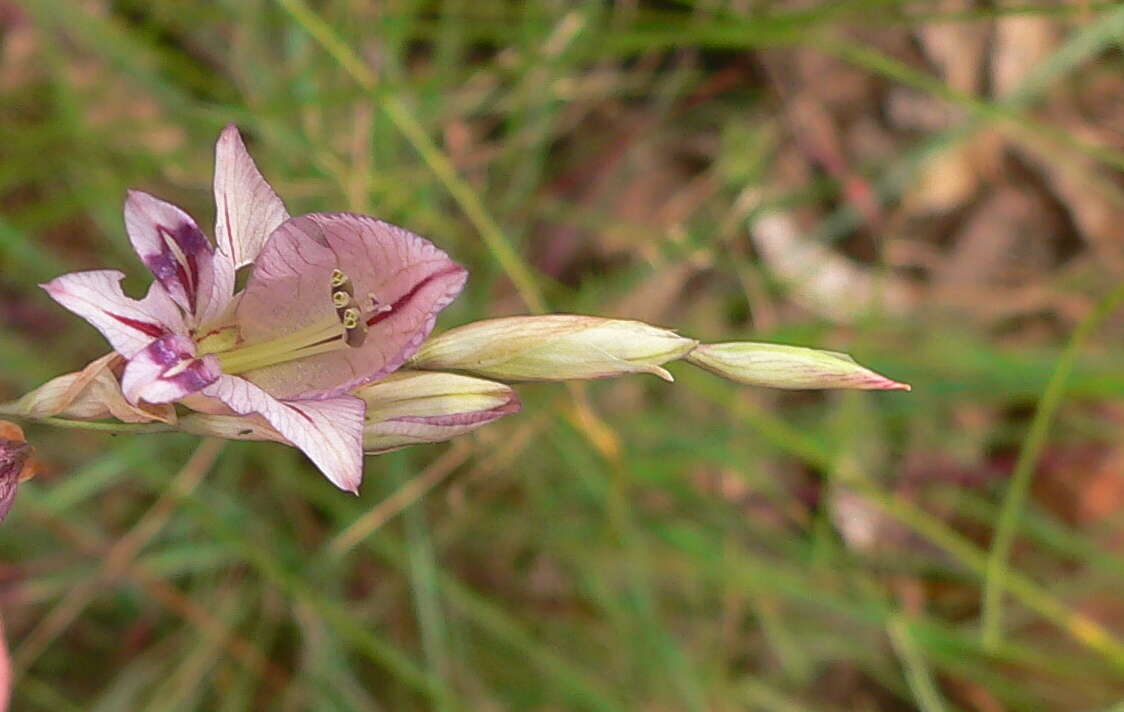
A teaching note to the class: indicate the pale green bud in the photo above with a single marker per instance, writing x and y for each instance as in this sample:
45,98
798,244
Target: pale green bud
792,367
413,407
557,347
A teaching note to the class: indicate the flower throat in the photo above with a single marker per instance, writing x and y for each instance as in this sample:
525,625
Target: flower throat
347,328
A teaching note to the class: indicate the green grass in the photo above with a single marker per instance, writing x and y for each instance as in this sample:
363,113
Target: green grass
626,545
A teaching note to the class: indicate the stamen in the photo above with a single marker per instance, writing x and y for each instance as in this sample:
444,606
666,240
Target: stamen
285,348
234,366
350,318
347,329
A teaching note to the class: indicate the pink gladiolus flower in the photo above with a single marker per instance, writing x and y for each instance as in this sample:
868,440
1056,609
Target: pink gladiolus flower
335,301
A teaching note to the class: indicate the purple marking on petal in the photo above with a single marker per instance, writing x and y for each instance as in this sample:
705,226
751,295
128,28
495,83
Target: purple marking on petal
191,242
153,330
174,248
162,266
405,299
167,370
298,411
195,377
167,352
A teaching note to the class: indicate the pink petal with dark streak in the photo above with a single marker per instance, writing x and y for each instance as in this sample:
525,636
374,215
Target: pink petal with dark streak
173,247
128,324
247,208
329,432
289,290
167,370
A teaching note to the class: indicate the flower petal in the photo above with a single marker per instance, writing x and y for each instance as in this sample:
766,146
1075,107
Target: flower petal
167,370
408,278
247,208
329,432
129,325
179,255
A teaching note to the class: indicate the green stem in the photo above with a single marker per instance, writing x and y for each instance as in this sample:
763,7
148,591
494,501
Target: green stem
1007,525
8,409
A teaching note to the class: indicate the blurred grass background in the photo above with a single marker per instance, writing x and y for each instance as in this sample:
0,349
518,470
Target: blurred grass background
933,187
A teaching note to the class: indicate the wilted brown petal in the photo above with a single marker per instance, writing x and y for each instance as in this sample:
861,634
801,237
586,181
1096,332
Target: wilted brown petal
16,464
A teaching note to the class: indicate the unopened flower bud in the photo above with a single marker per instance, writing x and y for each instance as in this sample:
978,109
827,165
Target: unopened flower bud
93,393
17,464
412,407
792,367
556,347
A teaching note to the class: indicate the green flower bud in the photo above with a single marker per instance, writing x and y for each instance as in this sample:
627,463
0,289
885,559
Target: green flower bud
411,407
557,347
791,367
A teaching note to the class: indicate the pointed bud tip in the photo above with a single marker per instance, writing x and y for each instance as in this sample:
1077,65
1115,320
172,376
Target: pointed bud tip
349,487
789,367
230,131
882,383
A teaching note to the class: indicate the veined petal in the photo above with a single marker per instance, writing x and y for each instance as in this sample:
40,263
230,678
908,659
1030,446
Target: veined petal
178,253
329,432
128,324
167,370
247,208
400,280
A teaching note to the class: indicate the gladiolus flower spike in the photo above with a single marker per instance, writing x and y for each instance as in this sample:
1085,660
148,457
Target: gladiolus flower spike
334,305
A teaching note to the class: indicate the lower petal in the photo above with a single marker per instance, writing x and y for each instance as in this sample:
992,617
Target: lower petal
329,432
167,370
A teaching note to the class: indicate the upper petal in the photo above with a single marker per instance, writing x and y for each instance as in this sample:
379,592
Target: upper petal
405,275
128,324
179,255
247,208
329,432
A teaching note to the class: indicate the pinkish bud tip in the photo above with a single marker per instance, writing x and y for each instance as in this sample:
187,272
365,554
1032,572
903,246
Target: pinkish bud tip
888,384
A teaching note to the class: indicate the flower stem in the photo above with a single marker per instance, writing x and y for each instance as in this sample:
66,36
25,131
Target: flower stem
97,425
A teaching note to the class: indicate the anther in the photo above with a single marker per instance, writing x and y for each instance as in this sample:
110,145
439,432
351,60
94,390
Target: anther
340,299
338,278
351,318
